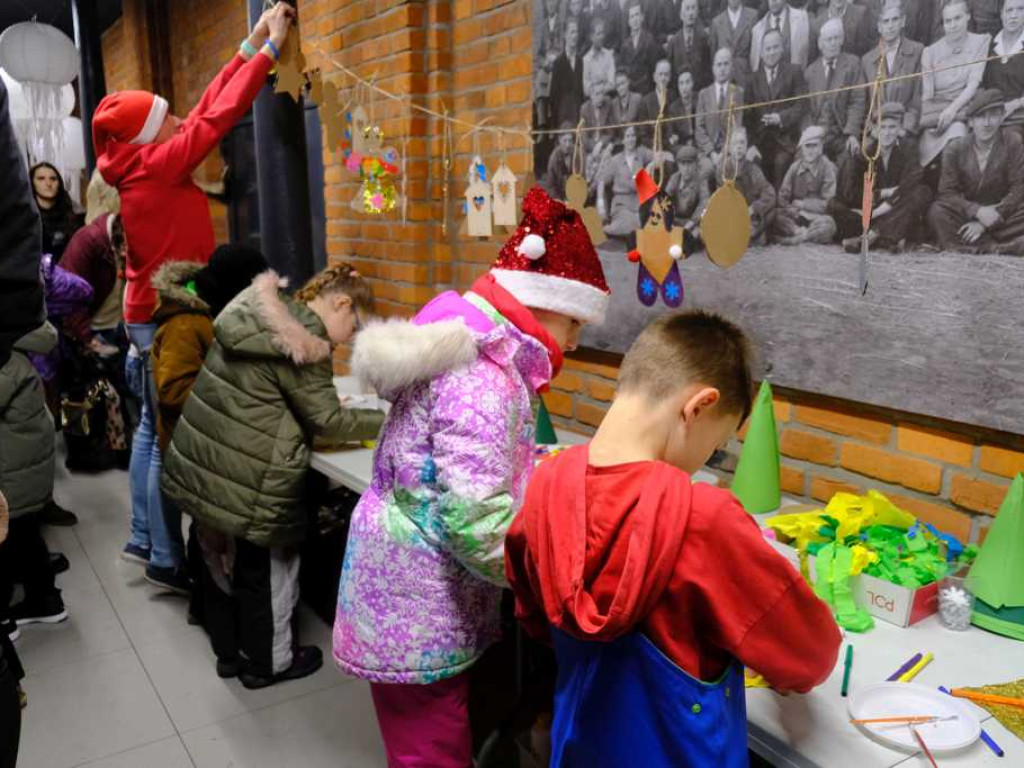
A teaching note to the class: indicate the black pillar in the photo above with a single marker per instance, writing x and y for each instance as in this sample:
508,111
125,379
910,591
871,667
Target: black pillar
282,181
92,84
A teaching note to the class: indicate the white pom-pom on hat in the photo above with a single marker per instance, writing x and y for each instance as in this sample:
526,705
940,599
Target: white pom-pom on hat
532,247
676,252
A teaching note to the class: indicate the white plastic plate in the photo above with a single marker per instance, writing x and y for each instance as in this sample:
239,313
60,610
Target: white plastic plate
893,699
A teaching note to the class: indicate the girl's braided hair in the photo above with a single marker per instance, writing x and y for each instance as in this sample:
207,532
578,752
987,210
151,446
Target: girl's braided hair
339,278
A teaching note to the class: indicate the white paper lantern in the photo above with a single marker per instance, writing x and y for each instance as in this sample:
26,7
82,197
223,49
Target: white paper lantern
38,53
18,105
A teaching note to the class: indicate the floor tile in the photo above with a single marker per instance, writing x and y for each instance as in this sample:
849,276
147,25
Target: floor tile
166,753
183,670
335,728
89,709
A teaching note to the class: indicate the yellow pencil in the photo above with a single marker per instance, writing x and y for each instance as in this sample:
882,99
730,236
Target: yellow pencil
911,673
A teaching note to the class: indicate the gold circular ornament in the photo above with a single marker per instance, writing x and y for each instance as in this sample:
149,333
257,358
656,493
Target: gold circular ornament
725,226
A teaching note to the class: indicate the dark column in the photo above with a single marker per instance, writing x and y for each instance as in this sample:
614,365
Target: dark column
92,84
282,180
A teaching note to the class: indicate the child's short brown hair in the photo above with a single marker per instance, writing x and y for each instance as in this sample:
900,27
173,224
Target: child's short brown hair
687,348
339,278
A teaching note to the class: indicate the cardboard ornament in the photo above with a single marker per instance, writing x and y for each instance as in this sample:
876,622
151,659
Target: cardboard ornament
330,116
358,122
576,198
503,197
757,482
478,209
725,225
290,68
659,246
316,87
997,575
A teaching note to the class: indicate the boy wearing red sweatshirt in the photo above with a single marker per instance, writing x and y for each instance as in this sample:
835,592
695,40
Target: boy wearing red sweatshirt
654,590
149,155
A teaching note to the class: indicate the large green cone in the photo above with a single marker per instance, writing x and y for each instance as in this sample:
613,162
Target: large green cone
545,429
997,576
756,483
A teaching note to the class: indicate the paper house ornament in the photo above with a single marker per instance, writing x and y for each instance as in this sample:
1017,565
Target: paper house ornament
478,209
503,197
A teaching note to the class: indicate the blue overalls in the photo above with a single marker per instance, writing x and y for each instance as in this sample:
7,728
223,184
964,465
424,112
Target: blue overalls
624,703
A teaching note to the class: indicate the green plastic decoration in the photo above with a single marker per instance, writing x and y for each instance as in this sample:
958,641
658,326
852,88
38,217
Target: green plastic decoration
833,564
997,576
545,429
757,482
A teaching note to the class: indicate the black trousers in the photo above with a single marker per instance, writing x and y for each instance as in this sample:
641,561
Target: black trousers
24,557
898,224
251,596
10,717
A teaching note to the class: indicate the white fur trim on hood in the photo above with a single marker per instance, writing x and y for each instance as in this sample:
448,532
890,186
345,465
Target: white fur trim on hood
395,354
286,331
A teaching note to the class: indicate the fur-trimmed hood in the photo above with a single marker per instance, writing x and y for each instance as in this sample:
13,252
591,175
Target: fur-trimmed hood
172,295
262,322
448,334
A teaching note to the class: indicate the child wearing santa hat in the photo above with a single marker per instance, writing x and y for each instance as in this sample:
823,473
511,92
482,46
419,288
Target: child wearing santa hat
149,155
420,590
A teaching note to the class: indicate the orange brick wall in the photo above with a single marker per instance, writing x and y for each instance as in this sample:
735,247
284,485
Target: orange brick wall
473,58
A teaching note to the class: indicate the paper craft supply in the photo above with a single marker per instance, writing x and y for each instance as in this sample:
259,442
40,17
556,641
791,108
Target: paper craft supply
905,667
544,432
997,576
924,747
757,482
911,673
832,585
846,670
989,741
1011,718
987,698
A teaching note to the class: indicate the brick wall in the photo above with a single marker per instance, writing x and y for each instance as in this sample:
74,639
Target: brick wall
473,57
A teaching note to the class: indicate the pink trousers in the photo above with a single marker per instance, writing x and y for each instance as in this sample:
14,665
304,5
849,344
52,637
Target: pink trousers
425,726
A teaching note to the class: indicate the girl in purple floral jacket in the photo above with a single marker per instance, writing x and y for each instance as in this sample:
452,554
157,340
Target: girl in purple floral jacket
420,590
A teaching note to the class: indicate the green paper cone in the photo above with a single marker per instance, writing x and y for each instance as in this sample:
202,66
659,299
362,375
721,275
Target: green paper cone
545,430
997,576
756,483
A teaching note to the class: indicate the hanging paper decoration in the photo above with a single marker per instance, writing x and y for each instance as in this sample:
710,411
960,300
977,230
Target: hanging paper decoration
358,121
330,116
658,247
478,209
725,223
576,198
43,61
378,170
503,197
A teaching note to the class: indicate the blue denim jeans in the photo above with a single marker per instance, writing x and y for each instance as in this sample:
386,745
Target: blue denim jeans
153,526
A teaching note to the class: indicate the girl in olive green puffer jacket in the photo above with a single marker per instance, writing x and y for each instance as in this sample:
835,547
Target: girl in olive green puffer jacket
241,451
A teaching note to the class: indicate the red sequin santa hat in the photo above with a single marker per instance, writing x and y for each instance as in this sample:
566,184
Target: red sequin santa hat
550,263
127,117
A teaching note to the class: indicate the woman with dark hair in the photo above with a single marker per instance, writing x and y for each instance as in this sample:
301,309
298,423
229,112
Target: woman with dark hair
60,221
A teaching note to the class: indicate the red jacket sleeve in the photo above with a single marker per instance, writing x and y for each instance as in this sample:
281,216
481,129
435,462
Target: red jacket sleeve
213,90
176,159
761,610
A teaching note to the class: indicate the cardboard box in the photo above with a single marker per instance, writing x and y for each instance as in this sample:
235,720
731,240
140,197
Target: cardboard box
887,601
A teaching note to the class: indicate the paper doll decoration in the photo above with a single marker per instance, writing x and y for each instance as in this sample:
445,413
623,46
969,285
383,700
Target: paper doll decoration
503,197
478,208
576,198
659,247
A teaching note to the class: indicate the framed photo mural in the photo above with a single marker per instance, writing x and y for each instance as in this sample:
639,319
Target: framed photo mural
931,321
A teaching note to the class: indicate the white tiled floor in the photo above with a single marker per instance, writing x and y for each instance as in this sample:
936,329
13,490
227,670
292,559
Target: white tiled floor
126,683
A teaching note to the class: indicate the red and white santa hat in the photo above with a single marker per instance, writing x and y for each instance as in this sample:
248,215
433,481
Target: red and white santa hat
127,117
550,263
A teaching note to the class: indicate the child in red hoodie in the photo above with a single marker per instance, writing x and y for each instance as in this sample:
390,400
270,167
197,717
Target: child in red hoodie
655,590
149,155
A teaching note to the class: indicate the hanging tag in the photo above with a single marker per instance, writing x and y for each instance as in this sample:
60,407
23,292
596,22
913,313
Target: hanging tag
576,198
725,226
503,203
478,209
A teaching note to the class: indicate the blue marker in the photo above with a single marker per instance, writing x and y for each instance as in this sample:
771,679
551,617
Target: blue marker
989,741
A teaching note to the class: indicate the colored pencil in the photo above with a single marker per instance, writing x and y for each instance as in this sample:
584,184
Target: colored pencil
927,752
989,741
896,719
904,667
988,698
846,670
911,673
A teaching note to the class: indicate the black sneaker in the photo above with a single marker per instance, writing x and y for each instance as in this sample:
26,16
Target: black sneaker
132,553
58,563
10,626
54,514
47,610
170,579
307,660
